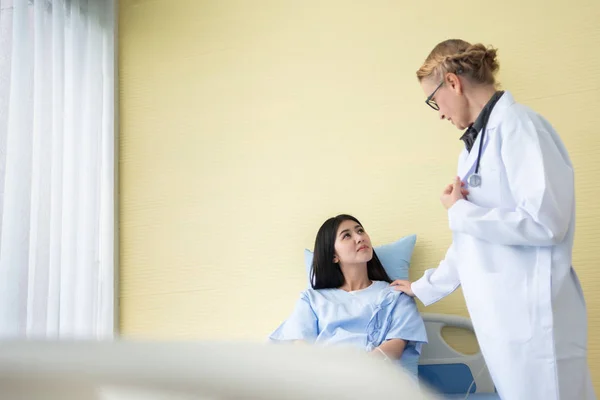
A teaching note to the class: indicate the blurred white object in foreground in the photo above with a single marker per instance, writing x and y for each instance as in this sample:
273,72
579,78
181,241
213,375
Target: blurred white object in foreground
205,370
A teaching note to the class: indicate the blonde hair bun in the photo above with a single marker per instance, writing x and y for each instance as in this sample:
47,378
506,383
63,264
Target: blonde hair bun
476,61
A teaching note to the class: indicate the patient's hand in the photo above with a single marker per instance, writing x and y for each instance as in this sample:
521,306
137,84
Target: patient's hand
403,286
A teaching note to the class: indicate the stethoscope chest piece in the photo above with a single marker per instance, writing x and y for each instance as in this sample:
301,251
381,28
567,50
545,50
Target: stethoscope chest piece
474,180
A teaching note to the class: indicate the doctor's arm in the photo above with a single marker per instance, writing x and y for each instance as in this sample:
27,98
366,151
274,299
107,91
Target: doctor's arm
541,183
436,283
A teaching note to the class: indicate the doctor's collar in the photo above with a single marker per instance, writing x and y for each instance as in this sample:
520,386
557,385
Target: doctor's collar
472,131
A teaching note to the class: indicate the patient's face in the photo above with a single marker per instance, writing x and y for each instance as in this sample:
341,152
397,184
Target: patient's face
352,244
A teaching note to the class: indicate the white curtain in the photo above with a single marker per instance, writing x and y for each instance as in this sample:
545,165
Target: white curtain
57,169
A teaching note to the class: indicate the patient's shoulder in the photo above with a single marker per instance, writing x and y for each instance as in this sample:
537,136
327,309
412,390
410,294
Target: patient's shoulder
381,285
317,295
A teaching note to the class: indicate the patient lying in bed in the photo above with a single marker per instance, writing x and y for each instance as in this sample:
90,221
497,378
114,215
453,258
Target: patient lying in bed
351,302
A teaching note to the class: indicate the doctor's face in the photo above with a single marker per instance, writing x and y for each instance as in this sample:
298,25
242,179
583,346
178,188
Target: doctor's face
449,99
352,244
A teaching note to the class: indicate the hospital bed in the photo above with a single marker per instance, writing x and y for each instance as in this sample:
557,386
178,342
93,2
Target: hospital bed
127,370
132,370
448,371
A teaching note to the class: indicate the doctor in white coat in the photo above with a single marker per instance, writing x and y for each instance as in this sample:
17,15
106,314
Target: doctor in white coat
512,215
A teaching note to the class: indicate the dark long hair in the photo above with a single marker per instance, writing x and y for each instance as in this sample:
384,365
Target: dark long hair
325,273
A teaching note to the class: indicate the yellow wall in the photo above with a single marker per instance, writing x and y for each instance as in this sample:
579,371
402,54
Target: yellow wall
244,124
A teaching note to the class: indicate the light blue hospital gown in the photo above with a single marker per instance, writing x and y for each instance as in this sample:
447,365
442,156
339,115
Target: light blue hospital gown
363,318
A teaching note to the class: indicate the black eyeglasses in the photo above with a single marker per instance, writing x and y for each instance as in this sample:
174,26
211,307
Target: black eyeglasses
430,102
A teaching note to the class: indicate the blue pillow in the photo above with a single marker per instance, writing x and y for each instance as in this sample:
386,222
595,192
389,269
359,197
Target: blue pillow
395,257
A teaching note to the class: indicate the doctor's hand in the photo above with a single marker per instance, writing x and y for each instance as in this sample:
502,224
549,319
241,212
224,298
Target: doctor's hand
453,192
403,286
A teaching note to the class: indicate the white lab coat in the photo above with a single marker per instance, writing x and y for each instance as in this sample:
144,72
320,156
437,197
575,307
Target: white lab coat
511,253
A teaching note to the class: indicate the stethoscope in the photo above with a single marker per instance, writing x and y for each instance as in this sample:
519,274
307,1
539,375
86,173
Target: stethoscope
474,180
